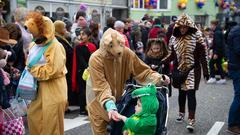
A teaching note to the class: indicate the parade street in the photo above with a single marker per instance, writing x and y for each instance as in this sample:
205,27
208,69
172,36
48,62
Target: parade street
213,103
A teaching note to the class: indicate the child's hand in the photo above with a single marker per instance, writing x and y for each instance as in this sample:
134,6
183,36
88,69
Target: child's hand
113,115
121,117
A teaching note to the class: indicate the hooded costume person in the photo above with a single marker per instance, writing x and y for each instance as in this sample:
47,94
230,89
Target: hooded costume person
188,50
46,113
184,46
110,66
144,122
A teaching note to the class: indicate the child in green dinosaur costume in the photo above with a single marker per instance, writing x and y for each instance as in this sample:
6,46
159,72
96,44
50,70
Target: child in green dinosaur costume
144,121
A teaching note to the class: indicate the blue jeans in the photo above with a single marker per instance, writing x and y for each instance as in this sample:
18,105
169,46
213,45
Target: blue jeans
234,112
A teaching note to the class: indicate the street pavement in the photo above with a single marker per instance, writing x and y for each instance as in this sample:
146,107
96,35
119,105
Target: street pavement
213,102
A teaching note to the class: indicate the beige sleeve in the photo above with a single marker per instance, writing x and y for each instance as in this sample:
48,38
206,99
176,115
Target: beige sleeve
142,72
55,64
100,85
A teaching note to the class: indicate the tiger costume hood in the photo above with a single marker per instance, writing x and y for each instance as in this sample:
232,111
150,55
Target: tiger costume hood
184,20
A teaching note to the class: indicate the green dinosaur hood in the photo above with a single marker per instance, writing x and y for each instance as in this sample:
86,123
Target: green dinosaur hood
148,99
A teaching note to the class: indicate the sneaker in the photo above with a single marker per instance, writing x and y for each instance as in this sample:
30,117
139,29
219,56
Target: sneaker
180,118
221,81
191,125
233,130
211,81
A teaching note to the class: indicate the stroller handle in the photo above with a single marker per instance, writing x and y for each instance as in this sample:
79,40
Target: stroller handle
140,86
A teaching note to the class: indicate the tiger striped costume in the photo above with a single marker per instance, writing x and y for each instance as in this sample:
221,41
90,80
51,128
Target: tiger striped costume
184,47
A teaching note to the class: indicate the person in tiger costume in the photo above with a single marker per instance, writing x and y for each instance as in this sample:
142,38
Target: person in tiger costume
188,49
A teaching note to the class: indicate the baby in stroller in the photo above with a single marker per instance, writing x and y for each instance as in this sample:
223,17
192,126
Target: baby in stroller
144,121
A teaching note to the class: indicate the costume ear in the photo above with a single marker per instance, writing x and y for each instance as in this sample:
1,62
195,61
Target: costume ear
107,39
120,38
40,40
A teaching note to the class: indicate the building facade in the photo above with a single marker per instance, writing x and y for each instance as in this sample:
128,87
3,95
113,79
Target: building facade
167,8
102,8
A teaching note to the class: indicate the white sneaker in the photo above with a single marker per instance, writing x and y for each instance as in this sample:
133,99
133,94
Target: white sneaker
221,81
211,81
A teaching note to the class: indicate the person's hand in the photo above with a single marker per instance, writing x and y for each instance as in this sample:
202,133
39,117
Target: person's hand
165,79
215,56
113,115
121,117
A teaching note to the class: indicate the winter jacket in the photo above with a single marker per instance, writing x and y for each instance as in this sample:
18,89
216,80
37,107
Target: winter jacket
234,51
218,42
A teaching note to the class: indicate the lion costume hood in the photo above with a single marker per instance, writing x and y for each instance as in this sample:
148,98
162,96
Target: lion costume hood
41,27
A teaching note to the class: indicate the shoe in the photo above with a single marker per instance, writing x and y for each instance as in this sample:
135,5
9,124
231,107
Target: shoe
191,125
221,81
83,112
180,118
211,81
233,130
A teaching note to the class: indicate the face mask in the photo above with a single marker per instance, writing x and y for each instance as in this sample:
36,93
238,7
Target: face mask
3,63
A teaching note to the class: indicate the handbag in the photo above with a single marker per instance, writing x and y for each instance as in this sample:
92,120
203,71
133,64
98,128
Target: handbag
10,124
27,86
179,77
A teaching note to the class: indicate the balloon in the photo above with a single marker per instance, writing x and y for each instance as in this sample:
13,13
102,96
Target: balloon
196,1
147,1
200,4
183,1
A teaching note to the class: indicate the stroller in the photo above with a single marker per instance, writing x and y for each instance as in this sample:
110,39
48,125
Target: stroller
127,104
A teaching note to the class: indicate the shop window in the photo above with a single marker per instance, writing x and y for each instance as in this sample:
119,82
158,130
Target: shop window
150,4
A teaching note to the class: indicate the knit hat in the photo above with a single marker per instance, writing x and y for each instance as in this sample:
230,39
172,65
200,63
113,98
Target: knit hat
59,26
83,7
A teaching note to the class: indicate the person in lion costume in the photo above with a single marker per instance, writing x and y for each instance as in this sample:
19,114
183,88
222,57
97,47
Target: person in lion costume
109,67
46,112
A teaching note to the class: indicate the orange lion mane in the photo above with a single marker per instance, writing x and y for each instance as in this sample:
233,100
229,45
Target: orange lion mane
38,19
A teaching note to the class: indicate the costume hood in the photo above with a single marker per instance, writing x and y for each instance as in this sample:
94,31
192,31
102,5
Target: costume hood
148,99
41,26
111,38
184,20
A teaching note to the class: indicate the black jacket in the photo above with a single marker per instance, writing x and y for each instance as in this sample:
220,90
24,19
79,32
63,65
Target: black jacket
218,42
19,62
233,41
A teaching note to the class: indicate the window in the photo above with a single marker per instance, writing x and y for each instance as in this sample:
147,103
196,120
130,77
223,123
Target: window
163,4
201,19
150,4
